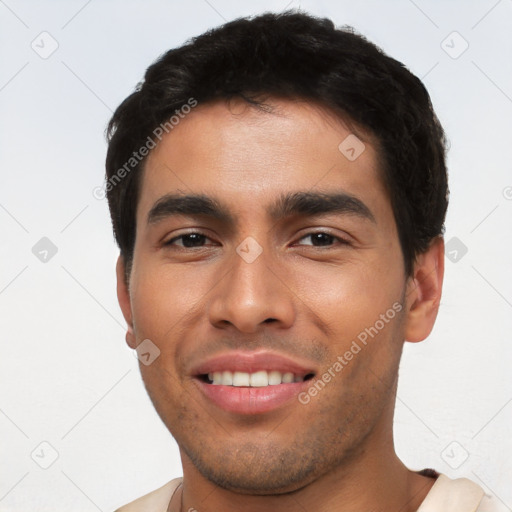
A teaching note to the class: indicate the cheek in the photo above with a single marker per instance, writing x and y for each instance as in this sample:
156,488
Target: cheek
351,297
164,297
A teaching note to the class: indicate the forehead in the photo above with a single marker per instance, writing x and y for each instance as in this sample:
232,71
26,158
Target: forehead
249,157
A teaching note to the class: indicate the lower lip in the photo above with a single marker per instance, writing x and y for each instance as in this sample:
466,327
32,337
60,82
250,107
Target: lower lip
248,400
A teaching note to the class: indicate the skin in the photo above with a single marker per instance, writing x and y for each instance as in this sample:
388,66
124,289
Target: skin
336,452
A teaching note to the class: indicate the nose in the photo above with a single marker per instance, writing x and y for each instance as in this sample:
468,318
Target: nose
252,294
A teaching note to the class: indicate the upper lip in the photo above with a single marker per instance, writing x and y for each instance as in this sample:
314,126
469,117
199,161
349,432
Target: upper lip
252,361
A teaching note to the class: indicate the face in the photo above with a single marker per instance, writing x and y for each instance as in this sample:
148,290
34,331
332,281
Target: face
284,275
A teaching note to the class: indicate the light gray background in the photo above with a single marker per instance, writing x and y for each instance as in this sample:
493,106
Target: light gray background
68,378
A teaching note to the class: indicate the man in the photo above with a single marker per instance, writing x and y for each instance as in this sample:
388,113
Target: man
278,192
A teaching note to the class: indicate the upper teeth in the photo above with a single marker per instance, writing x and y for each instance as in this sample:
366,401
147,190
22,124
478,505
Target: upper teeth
255,380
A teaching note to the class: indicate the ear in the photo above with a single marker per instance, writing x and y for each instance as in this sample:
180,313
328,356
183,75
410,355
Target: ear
123,297
424,289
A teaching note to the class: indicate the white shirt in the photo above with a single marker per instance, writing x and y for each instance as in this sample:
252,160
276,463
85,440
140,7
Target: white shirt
446,495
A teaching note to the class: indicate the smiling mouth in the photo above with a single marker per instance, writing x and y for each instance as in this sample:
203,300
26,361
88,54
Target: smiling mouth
259,379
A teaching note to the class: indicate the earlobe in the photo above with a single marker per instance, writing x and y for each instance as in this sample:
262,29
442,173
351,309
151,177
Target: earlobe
424,292
123,297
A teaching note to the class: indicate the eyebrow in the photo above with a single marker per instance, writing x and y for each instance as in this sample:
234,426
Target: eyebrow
306,204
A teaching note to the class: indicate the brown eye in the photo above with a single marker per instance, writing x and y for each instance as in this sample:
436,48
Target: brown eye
188,240
322,239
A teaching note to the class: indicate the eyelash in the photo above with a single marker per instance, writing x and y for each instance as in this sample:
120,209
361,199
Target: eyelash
170,243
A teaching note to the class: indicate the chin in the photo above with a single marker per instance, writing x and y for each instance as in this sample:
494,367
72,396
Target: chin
248,469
